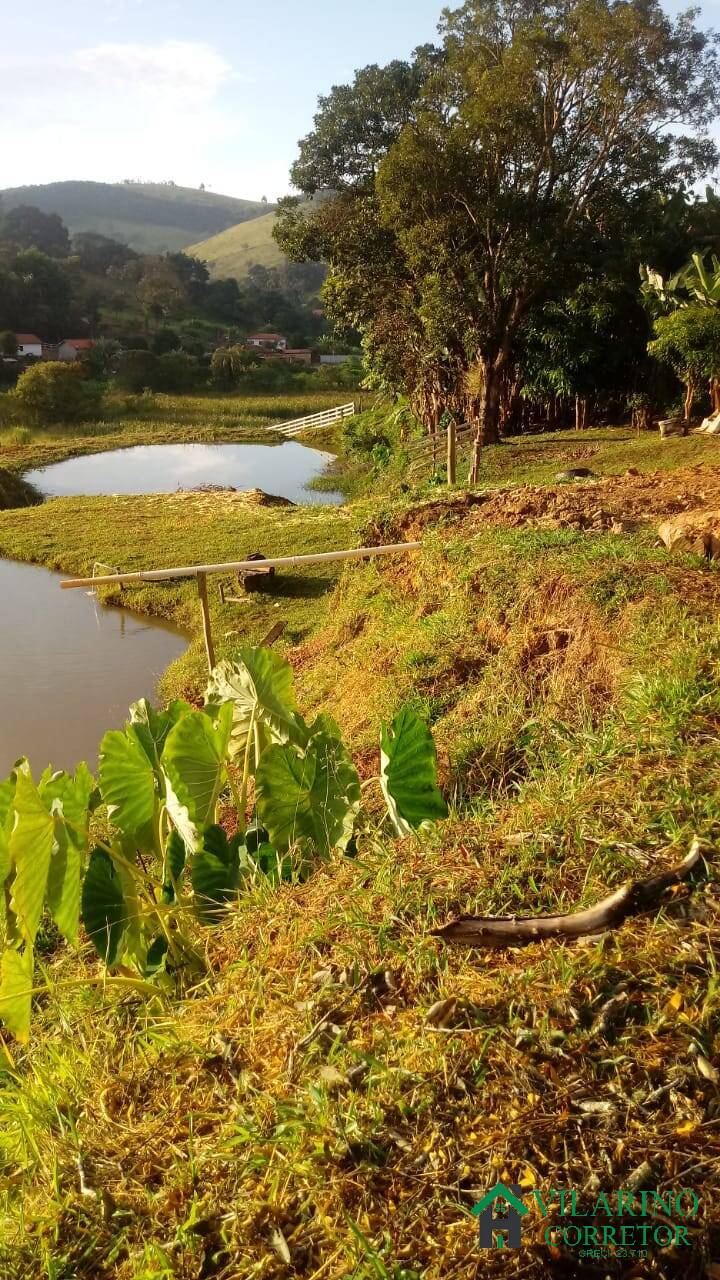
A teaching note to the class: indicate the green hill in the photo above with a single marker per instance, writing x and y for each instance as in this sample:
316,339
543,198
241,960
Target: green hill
151,217
232,252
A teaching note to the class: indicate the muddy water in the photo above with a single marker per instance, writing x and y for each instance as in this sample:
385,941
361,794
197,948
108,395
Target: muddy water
69,668
282,469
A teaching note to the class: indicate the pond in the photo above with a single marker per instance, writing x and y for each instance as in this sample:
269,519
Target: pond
283,470
70,668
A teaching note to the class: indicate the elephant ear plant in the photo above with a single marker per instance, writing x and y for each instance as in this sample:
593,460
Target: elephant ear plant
137,856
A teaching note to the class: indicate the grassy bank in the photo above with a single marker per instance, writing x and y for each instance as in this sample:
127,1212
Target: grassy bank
335,1096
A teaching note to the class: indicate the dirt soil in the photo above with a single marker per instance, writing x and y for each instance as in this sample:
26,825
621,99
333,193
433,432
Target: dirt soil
619,503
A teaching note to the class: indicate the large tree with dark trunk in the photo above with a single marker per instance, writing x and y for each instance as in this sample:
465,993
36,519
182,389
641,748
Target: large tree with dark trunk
511,157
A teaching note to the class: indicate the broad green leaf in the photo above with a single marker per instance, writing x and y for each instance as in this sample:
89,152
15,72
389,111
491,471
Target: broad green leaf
310,795
175,858
151,727
408,772
63,885
260,686
273,865
104,911
7,817
194,762
216,873
16,981
72,796
156,954
69,800
32,841
127,783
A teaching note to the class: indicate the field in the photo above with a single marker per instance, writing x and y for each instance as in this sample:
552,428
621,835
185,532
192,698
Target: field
333,1097
234,251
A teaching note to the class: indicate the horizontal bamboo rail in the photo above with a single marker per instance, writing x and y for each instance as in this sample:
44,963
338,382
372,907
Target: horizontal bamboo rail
234,566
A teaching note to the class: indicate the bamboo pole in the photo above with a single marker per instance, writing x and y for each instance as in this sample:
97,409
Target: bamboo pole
207,630
233,566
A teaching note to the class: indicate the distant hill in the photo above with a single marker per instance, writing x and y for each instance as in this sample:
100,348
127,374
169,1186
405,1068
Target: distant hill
232,252
151,217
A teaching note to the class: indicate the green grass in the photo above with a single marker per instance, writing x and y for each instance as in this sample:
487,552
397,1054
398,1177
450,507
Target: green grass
217,1134
537,459
303,1099
232,252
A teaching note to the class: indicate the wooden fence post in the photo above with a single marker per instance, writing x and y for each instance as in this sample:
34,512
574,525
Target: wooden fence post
451,453
207,632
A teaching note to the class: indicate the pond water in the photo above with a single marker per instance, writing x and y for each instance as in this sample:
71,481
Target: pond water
70,668
282,469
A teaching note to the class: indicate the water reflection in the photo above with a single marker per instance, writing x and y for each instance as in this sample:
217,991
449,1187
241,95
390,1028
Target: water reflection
283,469
69,668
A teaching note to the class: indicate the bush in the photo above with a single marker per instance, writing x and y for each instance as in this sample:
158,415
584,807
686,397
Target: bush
57,392
136,370
165,340
175,372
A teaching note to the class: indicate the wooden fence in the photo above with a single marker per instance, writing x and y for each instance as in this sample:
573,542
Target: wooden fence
314,421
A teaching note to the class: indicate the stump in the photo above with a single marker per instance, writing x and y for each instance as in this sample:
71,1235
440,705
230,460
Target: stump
247,578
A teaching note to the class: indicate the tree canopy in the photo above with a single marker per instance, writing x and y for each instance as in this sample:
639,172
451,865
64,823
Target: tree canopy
497,171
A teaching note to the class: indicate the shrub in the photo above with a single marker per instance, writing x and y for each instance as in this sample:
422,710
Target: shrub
136,370
57,392
176,372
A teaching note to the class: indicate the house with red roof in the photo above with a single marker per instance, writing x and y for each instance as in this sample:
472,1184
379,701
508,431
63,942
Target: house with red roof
73,348
28,344
267,342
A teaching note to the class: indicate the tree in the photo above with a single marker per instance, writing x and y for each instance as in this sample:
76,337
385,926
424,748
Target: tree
688,339
36,295
100,254
29,228
56,391
534,142
8,343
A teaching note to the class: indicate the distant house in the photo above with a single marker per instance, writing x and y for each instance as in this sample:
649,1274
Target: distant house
301,355
334,359
73,348
28,344
267,342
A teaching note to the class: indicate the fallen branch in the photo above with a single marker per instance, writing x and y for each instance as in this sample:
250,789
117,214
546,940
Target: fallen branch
517,931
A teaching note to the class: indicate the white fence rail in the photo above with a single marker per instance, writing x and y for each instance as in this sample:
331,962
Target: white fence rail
314,421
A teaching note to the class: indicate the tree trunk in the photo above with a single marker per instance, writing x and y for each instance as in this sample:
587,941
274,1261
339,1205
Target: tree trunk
689,398
715,394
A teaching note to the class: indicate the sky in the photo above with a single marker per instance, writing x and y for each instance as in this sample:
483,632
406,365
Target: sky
193,91
213,91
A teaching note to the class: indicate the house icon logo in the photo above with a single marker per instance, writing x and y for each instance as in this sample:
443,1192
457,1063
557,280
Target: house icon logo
510,1223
